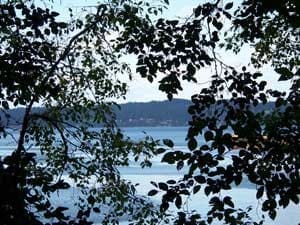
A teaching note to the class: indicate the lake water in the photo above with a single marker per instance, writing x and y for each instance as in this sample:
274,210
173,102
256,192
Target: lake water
244,195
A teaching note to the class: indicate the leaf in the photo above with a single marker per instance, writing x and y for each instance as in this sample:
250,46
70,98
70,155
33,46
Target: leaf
5,105
154,184
208,136
191,69
185,192
279,102
207,190
192,144
262,85
180,165
284,202
228,5
200,179
96,210
260,192
164,206
214,201
272,214
47,31
178,201
54,14
227,200
152,192
238,179
91,200
285,74
217,24
198,11
209,220
160,150
163,186
150,79
168,143
168,158
171,182
63,25
204,147
196,189
295,199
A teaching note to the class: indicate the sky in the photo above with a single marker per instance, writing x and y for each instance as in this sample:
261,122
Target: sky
140,90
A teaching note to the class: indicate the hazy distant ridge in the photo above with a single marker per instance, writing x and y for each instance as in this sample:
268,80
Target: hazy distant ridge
155,113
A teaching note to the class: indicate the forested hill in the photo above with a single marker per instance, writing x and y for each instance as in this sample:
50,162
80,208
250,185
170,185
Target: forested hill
163,113
155,113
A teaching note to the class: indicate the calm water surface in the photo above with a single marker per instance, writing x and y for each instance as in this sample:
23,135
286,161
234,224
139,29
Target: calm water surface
244,195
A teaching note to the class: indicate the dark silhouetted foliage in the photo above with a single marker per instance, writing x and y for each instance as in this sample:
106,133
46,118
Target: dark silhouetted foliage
268,144
72,69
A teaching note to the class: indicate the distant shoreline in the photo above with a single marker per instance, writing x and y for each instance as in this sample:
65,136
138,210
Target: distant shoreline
151,114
